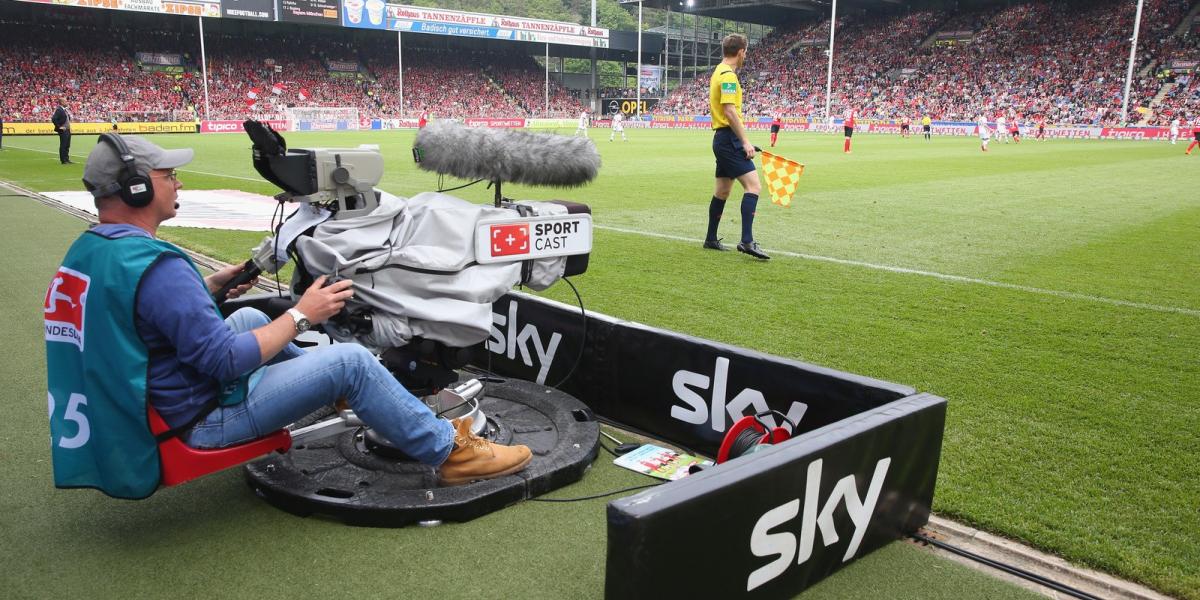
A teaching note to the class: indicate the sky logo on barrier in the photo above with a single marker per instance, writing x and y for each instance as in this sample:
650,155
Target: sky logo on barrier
508,240
698,411
64,306
783,544
509,342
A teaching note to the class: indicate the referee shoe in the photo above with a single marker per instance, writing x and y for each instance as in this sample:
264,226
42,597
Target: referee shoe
753,249
715,245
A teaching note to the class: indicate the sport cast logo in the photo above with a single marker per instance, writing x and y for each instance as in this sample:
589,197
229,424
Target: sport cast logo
65,300
728,88
508,240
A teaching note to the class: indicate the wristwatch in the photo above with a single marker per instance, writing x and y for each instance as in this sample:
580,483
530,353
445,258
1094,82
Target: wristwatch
302,322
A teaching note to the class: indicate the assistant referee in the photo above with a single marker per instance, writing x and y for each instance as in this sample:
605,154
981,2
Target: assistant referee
732,148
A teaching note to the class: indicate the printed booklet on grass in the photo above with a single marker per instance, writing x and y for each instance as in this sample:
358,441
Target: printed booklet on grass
660,462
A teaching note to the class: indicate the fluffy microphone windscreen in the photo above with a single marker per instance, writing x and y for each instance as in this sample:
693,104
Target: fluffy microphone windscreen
504,155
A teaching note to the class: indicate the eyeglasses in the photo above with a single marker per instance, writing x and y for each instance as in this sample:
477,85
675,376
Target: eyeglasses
173,175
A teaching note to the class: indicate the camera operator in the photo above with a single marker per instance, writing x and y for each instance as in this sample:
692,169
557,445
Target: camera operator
223,382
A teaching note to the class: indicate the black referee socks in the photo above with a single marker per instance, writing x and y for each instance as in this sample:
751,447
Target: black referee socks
715,208
749,205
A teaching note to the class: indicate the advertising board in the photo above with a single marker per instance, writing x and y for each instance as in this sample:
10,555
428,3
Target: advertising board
98,128
325,12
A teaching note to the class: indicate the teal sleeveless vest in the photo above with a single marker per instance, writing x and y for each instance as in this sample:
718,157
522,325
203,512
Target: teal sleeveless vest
97,367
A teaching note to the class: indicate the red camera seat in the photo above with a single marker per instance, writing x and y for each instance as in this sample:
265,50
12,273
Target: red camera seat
181,463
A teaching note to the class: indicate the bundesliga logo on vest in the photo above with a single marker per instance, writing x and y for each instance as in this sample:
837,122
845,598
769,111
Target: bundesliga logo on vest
64,307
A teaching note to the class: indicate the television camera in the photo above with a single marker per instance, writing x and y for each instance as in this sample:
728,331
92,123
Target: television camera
426,270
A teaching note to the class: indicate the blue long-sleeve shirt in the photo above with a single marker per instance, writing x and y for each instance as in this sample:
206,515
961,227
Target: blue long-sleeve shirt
192,351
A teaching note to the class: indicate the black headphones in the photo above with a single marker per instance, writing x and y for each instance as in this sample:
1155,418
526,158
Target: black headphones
133,187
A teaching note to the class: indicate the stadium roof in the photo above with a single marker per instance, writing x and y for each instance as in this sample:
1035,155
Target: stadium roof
777,12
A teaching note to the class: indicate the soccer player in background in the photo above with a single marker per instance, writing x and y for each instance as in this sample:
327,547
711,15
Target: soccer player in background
775,125
1001,128
618,127
732,148
985,134
905,125
583,124
1014,129
1174,130
848,126
1195,134
926,126
1041,125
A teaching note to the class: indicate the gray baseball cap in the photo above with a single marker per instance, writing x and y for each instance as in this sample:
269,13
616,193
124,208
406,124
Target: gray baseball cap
105,165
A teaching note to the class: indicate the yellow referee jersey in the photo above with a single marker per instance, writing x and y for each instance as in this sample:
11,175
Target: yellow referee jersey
724,88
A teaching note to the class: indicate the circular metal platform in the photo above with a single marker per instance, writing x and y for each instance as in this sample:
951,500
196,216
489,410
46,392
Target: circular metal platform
348,478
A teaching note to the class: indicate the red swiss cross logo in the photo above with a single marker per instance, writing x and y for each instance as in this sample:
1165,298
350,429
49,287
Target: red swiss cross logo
63,309
510,239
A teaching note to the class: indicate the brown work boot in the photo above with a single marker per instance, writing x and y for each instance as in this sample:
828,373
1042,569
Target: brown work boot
474,458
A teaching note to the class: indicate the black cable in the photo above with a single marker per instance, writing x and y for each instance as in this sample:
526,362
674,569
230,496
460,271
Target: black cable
745,440
583,339
645,434
275,229
460,404
609,450
456,188
597,496
1007,568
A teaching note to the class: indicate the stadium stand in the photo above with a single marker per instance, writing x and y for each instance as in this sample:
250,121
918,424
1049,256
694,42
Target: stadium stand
458,83
99,78
1062,60
259,75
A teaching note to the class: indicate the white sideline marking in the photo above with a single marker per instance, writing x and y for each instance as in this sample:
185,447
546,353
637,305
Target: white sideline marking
1191,312
943,276
208,209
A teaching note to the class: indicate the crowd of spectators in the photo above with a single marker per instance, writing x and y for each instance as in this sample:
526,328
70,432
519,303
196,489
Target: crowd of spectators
94,71
525,82
266,75
445,83
101,79
1181,88
1062,61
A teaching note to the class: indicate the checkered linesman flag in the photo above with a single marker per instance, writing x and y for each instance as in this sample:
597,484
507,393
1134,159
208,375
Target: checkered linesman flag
782,177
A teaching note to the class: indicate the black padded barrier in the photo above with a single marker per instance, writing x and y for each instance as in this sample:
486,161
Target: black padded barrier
859,472
685,389
773,523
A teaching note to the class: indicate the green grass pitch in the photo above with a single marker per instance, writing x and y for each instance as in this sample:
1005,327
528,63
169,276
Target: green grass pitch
1050,291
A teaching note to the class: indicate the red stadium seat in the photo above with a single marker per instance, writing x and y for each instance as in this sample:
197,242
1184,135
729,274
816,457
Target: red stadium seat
181,463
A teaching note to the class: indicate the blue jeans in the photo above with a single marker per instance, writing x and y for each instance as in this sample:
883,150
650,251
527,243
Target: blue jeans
295,383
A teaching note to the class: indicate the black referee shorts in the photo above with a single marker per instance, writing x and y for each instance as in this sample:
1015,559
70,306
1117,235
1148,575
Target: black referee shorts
731,156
